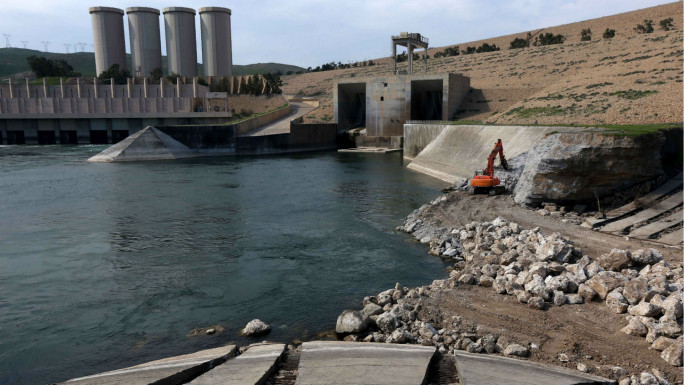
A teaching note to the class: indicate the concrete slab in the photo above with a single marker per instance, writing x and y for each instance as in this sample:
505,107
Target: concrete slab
656,227
251,368
668,187
656,209
674,238
168,371
481,369
370,150
353,363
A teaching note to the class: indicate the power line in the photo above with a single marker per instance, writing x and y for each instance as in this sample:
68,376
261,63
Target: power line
25,43
7,41
45,44
67,46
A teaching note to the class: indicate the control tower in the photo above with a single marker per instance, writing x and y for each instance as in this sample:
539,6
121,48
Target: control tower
408,40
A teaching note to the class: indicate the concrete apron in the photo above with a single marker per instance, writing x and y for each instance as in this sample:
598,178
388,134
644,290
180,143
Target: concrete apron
459,150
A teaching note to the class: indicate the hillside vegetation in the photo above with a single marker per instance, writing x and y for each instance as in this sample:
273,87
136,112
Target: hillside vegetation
631,78
13,61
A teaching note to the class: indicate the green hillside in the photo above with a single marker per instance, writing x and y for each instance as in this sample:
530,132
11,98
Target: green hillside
13,60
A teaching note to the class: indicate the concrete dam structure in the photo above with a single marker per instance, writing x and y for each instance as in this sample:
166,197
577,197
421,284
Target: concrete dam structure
383,104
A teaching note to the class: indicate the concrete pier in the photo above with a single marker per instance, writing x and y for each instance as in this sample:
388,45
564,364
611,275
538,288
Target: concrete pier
332,362
170,371
251,368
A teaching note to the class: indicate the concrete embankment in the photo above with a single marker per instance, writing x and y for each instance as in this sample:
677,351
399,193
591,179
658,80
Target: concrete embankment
453,152
560,164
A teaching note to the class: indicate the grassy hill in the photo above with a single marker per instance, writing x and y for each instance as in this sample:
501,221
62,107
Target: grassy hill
630,79
13,61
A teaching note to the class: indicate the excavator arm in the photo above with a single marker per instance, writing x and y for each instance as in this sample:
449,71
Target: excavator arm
498,150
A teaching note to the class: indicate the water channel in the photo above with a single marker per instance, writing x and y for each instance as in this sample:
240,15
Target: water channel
104,266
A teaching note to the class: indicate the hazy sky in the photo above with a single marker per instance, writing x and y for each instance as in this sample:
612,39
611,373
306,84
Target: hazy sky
312,32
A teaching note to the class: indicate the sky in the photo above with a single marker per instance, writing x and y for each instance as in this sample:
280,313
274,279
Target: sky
308,33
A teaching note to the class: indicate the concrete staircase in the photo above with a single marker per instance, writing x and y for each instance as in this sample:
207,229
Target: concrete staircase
652,216
338,363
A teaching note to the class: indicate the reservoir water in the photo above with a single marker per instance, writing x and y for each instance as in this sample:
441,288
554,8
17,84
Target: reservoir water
104,266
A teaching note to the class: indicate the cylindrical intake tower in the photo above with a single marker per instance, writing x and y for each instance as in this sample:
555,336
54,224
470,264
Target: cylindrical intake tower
217,51
143,31
181,45
108,38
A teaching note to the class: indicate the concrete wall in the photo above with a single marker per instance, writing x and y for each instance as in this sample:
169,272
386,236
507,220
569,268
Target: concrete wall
103,129
225,139
181,45
255,104
217,51
145,41
108,37
246,126
418,135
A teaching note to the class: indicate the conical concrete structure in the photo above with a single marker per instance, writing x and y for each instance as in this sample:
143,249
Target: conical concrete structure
146,144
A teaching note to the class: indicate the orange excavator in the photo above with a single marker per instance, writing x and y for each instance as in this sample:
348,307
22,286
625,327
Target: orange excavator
484,181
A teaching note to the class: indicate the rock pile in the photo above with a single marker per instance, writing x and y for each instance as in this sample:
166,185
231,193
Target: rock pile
541,271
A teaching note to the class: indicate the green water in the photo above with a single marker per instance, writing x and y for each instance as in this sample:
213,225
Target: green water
104,266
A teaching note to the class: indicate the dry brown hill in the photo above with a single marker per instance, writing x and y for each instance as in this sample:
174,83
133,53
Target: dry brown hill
629,79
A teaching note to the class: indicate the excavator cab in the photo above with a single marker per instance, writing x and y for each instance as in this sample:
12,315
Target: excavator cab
484,181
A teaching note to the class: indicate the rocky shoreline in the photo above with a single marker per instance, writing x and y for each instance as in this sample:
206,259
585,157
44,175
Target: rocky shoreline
540,271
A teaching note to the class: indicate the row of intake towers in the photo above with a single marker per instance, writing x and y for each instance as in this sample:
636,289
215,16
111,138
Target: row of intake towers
145,41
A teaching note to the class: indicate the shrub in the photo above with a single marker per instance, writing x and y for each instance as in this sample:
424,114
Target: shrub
520,43
469,50
202,82
548,39
609,33
487,48
666,24
586,34
172,77
647,27
451,51
119,76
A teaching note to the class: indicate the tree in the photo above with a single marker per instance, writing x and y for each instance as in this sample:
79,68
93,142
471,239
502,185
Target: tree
647,27
44,67
609,33
119,76
586,34
273,83
666,24
520,43
469,50
371,63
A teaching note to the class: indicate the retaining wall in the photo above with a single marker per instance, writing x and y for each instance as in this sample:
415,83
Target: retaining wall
458,150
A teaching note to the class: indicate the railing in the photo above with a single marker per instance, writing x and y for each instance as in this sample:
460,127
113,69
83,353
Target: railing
415,36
